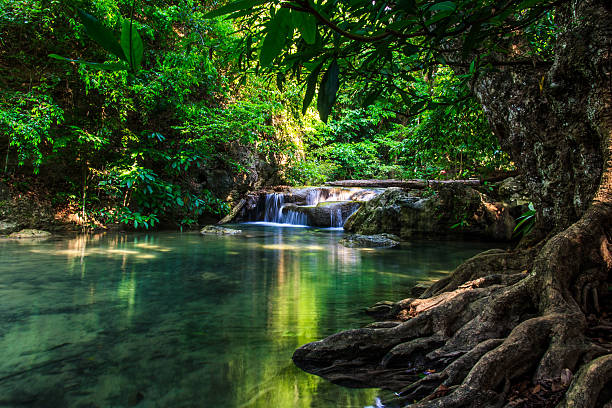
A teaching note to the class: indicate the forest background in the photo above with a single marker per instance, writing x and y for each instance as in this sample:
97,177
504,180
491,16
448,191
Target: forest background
200,123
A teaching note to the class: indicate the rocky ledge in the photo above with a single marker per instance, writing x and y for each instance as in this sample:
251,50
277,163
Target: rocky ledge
450,210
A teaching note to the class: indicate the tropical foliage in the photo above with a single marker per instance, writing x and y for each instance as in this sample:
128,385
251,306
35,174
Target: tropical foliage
139,112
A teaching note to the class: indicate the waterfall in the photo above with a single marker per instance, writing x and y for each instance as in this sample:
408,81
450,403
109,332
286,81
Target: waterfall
294,218
273,208
336,220
312,206
273,211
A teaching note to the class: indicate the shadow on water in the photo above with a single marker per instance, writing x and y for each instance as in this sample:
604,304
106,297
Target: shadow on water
180,320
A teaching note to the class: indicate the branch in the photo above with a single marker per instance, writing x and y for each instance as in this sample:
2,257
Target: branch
306,8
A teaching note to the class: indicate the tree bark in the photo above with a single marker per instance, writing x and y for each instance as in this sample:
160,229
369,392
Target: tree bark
502,318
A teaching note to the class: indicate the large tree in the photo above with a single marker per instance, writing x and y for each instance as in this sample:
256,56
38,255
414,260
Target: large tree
542,72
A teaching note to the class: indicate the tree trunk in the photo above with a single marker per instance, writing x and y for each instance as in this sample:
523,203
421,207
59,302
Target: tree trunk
503,318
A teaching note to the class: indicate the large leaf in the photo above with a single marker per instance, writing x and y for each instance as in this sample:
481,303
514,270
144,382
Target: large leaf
307,26
443,6
131,44
234,6
328,90
101,34
278,30
112,66
311,86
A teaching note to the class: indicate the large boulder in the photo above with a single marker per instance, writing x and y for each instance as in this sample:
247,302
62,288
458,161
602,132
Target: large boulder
452,210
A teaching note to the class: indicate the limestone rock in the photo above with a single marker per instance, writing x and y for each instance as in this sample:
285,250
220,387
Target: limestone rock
30,233
370,241
217,230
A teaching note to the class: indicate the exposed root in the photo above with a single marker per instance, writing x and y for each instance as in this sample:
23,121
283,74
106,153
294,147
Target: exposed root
492,262
470,344
592,386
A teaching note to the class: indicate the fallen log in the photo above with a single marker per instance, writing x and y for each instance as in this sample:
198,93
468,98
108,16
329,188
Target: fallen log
414,184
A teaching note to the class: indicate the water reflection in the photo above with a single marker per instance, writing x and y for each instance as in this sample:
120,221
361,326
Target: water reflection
158,320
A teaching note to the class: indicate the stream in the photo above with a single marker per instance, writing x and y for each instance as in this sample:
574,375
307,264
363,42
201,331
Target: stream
183,320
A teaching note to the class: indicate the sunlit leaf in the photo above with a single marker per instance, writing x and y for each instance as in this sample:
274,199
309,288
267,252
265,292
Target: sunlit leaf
275,38
328,90
131,43
306,25
311,85
101,34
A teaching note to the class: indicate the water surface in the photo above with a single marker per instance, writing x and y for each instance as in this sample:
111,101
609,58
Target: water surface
181,320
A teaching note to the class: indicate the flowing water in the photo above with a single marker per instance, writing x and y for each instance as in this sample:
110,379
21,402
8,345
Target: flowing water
274,209
181,320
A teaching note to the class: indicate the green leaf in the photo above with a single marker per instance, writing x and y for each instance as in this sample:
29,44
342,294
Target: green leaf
306,25
275,38
131,43
101,34
443,6
234,6
328,90
311,85
112,66
179,201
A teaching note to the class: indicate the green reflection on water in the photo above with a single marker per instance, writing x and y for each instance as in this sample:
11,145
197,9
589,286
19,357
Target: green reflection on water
179,320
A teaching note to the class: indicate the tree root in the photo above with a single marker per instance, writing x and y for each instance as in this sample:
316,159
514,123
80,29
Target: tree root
591,380
467,347
492,262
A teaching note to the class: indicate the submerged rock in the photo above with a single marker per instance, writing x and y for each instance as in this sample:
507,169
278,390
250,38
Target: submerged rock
30,233
370,241
451,210
217,230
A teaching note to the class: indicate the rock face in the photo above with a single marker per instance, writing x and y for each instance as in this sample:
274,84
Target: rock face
30,233
217,230
452,211
513,192
370,241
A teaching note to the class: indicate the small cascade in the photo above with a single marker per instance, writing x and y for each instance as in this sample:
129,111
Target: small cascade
273,207
336,220
312,206
294,218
